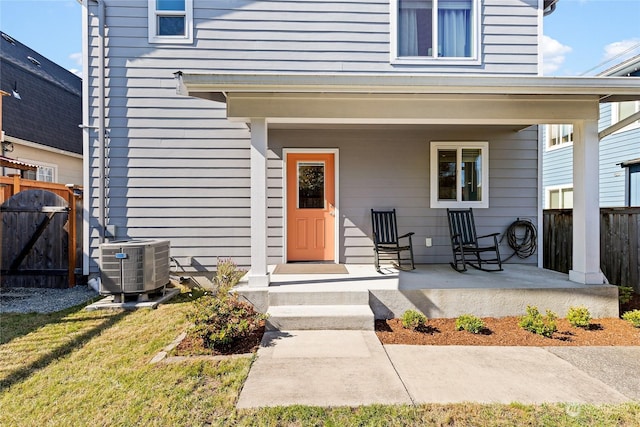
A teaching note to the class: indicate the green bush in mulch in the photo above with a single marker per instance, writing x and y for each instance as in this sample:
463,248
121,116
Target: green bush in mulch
632,316
222,319
413,319
579,317
469,323
535,322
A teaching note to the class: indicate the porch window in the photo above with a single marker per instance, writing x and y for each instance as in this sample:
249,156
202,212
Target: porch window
559,136
559,197
459,174
622,110
170,21
436,29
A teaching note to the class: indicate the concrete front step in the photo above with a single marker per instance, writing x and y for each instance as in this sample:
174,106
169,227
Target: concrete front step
305,297
320,317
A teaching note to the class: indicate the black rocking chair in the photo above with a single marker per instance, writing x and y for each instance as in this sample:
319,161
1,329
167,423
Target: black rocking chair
464,243
386,239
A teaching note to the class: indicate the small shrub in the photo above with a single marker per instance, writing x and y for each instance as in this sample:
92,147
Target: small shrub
222,319
220,322
535,322
632,316
412,319
624,294
470,323
227,275
579,317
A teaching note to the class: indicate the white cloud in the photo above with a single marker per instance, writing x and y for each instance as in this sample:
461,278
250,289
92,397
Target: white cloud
553,55
622,49
77,58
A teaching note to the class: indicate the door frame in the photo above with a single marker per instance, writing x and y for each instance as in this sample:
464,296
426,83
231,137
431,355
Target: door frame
336,183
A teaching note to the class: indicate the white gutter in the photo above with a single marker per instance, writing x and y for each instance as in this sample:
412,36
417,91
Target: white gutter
608,89
42,147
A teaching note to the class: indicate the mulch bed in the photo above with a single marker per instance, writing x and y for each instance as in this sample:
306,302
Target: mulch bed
192,346
502,331
506,332
633,304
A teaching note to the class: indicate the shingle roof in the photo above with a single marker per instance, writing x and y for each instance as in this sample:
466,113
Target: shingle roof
50,106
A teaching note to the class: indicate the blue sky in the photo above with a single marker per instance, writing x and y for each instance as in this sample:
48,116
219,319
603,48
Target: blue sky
578,36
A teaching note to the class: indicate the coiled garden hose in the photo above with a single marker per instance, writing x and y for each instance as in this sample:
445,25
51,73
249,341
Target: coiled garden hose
522,237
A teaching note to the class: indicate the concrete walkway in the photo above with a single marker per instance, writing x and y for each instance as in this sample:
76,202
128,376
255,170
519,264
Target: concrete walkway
351,368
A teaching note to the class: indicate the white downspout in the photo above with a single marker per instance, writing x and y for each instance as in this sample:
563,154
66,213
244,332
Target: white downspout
101,121
101,129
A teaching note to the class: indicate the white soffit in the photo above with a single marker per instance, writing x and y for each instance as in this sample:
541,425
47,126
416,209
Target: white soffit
215,86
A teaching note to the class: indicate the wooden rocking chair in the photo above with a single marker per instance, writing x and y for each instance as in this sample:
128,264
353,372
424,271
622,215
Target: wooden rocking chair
386,240
464,243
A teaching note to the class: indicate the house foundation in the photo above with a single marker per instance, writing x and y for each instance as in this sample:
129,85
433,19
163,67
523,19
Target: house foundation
435,290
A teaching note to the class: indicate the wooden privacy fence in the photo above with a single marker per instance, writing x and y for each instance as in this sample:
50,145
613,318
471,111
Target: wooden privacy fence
41,233
619,243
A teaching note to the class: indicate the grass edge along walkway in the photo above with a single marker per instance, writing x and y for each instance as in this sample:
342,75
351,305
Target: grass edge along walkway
92,368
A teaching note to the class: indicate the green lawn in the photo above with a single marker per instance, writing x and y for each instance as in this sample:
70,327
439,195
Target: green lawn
77,368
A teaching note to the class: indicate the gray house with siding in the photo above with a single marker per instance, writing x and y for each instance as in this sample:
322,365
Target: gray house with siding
205,120
619,153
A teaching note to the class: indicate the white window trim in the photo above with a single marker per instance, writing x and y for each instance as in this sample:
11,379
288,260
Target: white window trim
615,118
548,146
549,189
53,166
188,24
433,60
433,174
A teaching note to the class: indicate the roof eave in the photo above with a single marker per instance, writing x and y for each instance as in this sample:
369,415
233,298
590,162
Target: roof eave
215,86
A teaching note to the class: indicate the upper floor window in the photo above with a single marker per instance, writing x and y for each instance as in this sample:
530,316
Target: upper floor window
436,29
170,21
622,110
559,135
459,174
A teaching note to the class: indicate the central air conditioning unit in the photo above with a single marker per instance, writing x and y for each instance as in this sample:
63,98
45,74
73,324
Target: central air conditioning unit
130,267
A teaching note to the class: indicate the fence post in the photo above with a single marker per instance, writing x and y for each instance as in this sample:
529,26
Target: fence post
71,240
16,184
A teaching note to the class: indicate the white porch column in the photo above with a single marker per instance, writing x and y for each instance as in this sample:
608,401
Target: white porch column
586,204
259,275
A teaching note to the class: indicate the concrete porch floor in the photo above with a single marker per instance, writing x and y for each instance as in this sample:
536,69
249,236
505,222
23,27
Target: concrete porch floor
439,291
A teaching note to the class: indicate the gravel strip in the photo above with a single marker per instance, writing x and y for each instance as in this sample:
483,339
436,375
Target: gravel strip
43,300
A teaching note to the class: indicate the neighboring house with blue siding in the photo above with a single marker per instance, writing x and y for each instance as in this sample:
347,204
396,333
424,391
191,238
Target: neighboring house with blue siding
619,153
204,121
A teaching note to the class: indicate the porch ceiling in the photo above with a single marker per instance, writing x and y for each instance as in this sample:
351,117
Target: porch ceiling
406,99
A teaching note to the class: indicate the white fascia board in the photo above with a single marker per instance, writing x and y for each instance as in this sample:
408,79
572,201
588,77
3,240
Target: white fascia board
42,147
606,88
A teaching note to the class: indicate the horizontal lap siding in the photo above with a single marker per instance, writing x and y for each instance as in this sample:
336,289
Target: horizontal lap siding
179,170
286,36
614,149
389,168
